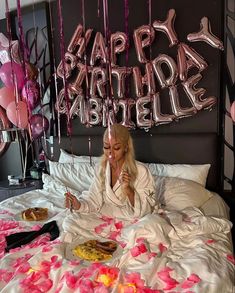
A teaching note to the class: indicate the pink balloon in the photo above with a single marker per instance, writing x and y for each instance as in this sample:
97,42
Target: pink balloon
17,113
39,124
31,93
232,111
8,70
7,96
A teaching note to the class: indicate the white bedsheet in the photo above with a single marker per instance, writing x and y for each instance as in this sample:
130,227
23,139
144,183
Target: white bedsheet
183,251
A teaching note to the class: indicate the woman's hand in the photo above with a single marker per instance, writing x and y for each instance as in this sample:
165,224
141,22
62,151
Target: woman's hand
125,179
71,202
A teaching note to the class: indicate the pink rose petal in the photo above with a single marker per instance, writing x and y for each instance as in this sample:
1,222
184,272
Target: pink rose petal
231,258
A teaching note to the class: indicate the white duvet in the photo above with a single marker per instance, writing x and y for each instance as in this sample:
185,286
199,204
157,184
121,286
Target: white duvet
169,252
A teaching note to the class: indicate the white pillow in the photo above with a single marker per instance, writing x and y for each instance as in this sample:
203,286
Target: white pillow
197,173
69,158
177,193
76,176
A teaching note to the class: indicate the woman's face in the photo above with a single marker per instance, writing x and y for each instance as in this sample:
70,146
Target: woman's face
114,151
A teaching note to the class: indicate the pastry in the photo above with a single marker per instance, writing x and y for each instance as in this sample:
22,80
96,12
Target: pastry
94,250
35,214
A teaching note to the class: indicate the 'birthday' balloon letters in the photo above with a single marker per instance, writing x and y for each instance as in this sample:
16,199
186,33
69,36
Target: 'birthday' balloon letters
90,83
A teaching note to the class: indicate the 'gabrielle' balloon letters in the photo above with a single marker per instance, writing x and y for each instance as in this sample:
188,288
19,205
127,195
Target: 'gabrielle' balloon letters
91,82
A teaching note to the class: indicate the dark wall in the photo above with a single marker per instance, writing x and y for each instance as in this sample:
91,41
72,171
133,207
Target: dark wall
188,16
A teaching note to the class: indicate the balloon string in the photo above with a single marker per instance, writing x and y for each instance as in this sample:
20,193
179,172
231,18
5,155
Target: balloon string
35,35
24,50
62,53
150,48
108,63
98,8
55,75
150,22
86,70
126,13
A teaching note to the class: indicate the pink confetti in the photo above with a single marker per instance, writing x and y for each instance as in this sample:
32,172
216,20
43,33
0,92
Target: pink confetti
210,241
231,258
162,248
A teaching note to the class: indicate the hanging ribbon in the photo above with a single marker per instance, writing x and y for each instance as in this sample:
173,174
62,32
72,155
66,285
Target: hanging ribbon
126,13
62,53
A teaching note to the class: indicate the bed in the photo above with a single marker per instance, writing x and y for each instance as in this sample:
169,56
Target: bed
184,247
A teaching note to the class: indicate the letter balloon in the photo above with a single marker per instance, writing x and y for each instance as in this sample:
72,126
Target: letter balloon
195,94
157,65
187,58
119,43
205,35
143,37
143,115
167,27
175,104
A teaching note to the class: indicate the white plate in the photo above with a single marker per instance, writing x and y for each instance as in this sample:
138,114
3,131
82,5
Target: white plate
18,217
70,256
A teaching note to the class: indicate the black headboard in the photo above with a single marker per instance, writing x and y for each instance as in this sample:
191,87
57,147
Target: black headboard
184,148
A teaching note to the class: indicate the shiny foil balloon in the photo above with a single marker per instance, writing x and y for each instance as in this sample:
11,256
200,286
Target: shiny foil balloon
8,50
7,96
12,74
38,124
31,94
143,37
17,113
167,27
205,35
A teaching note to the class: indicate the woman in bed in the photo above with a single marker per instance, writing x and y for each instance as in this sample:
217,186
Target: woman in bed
122,187
123,191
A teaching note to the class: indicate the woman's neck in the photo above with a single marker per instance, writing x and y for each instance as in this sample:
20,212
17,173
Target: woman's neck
118,166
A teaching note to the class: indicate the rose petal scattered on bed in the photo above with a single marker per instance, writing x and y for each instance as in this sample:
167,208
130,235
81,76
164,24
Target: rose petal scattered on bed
210,241
164,275
109,220
187,284
194,278
162,247
5,275
119,225
5,212
231,258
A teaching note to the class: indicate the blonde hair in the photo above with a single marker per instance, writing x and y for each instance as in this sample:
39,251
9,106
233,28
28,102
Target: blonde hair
122,134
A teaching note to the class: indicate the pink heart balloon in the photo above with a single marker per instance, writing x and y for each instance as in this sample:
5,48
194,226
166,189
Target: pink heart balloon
7,96
8,70
17,113
39,124
31,93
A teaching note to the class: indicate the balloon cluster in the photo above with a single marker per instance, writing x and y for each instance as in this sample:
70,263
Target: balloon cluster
20,94
87,81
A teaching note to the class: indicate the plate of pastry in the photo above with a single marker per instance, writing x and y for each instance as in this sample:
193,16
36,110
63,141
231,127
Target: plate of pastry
36,214
92,250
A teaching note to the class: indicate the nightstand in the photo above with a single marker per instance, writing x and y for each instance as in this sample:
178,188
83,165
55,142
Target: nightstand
7,190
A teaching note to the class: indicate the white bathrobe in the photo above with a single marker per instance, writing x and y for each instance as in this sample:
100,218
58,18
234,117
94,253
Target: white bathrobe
111,202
